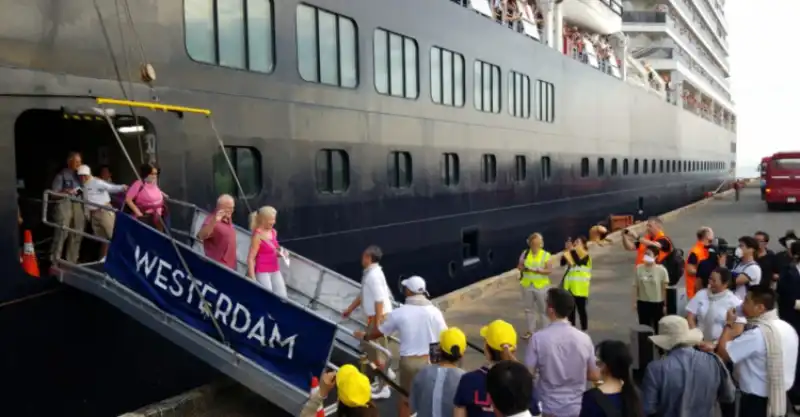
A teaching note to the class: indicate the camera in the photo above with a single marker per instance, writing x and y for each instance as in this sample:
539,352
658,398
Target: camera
720,247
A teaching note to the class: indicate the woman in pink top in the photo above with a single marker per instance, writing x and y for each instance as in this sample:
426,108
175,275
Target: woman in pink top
262,261
145,199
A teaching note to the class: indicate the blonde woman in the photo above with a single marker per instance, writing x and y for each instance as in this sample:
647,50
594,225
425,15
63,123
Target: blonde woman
262,261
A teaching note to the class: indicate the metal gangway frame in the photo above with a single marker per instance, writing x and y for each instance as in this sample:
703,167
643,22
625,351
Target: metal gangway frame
320,288
91,278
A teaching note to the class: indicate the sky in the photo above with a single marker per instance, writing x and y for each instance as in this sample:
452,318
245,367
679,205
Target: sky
765,92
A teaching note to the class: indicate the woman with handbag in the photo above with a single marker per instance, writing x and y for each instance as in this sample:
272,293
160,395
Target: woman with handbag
145,200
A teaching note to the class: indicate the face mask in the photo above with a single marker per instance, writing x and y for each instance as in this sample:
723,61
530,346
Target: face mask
649,259
150,179
738,253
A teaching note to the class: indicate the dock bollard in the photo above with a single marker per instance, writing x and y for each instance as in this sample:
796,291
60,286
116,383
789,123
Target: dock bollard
642,349
677,299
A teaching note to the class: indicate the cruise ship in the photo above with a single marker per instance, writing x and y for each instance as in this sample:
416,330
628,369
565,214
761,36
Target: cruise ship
444,131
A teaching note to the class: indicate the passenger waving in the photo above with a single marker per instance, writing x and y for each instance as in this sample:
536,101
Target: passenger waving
145,200
262,261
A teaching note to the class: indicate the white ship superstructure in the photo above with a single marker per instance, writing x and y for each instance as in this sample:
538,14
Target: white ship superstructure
685,43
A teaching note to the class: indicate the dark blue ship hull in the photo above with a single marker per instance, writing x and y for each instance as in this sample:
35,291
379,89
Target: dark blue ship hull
67,353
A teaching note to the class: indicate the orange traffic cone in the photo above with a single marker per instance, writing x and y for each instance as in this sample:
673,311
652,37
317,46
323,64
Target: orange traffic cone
314,389
29,263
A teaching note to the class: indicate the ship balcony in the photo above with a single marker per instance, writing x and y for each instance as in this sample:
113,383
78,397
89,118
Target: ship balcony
599,16
662,22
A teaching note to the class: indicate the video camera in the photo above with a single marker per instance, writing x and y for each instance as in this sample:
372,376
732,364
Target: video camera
720,247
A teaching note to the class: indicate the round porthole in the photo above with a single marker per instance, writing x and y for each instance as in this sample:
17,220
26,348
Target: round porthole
451,269
490,256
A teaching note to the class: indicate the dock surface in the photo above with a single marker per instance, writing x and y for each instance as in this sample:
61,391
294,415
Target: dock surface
609,309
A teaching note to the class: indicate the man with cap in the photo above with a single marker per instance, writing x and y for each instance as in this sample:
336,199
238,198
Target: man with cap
352,388
435,386
419,324
96,193
686,381
472,395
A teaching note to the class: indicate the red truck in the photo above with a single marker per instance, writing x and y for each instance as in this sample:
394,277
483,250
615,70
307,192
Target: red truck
782,186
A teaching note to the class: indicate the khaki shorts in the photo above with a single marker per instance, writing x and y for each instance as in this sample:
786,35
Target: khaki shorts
102,223
374,354
409,367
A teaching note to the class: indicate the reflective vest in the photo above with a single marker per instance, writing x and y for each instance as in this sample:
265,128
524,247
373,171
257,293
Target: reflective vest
642,248
701,252
578,278
534,262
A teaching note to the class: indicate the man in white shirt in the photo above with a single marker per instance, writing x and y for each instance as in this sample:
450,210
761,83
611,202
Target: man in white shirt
419,324
746,273
96,191
764,354
376,301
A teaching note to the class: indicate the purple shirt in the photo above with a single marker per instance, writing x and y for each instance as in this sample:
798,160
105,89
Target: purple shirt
561,356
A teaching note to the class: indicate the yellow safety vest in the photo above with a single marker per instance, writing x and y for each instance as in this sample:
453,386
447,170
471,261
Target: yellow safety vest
578,279
533,262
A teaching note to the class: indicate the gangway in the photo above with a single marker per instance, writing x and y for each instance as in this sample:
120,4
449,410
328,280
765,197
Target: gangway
272,345
308,283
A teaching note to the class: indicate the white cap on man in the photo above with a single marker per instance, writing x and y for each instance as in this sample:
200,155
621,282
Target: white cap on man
415,284
84,170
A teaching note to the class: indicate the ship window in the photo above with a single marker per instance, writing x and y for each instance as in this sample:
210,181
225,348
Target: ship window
519,95
487,87
228,38
447,77
653,166
488,168
520,168
625,166
614,168
450,169
666,166
601,167
544,98
247,165
396,70
584,167
545,168
674,168
326,47
400,169
644,166
661,166
635,167
333,171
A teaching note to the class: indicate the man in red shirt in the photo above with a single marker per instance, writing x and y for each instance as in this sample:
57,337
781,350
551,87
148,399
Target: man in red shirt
218,235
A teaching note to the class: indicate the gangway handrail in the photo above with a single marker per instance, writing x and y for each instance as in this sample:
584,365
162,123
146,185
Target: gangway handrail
45,202
293,254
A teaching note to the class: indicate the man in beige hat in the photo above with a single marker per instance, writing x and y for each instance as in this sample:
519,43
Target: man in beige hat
684,371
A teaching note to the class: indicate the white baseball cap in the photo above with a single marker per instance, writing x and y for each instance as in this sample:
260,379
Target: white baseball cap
84,170
415,284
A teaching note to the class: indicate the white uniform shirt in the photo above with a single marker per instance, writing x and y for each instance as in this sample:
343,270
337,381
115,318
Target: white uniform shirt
702,308
749,355
375,289
753,271
96,191
418,328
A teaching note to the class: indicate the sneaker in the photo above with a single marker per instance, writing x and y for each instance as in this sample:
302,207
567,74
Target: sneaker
390,373
103,259
382,393
527,335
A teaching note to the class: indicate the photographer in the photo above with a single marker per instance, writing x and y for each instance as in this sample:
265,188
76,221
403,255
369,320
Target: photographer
718,256
746,273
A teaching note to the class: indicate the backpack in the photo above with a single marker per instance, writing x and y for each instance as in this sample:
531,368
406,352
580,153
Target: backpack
675,264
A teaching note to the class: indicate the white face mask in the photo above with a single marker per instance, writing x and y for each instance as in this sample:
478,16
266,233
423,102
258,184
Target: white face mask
738,253
150,179
649,259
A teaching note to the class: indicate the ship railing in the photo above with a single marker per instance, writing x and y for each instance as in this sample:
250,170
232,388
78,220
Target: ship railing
92,277
310,283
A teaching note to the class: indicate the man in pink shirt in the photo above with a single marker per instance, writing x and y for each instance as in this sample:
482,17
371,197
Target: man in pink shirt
218,235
